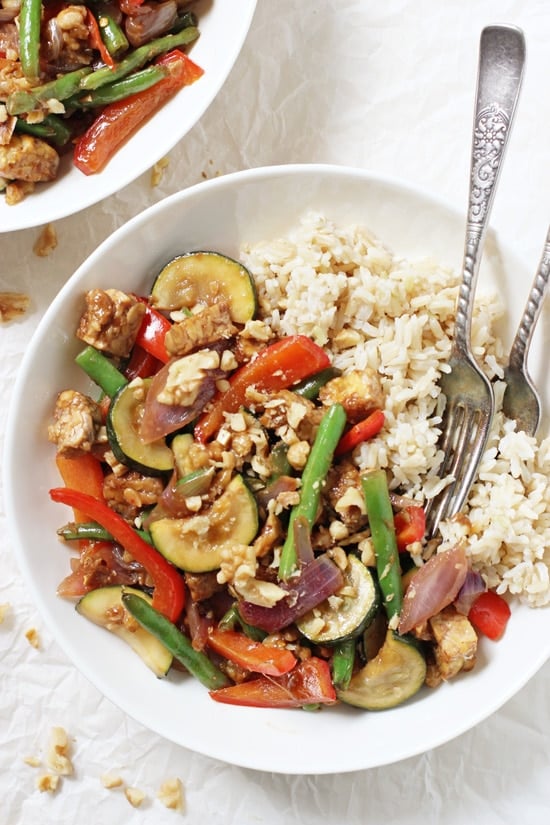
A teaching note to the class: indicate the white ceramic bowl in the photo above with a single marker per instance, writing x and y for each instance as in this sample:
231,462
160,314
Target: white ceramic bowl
223,28
221,214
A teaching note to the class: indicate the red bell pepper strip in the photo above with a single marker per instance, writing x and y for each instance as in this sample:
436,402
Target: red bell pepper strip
96,41
152,333
119,120
362,431
169,592
255,656
83,473
276,367
308,683
141,364
410,526
489,614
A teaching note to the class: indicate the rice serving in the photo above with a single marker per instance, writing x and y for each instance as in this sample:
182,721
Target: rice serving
343,288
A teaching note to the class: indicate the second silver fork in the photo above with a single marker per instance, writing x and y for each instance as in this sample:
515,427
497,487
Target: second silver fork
469,396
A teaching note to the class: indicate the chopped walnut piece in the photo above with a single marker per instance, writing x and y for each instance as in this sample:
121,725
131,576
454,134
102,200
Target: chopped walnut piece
111,780
47,782
4,610
46,241
32,637
12,305
57,757
158,171
134,796
32,761
171,794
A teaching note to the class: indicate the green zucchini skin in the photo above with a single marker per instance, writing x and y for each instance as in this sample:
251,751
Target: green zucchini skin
123,433
105,608
233,521
396,673
351,616
200,277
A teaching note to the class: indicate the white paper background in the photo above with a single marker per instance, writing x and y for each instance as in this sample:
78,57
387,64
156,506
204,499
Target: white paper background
386,86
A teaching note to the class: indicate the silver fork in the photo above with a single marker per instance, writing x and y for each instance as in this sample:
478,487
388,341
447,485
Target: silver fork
521,400
469,395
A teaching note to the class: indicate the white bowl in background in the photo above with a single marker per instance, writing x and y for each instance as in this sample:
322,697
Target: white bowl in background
223,29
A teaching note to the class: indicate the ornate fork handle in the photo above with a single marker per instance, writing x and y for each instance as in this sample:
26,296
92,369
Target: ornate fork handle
502,56
522,341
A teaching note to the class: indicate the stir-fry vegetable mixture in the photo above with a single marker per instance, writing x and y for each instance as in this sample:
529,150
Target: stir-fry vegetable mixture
82,77
221,524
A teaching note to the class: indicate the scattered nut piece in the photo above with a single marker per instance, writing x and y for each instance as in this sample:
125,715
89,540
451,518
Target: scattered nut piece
158,171
58,753
13,304
4,610
171,794
47,782
134,796
46,241
33,761
110,780
32,637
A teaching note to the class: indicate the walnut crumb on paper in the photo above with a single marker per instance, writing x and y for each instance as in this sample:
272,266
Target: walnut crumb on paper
58,758
32,637
32,761
134,796
111,780
4,610
171,794
158,171
47,782
12,305
46,241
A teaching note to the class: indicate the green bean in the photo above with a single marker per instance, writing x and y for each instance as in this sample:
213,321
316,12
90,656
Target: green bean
183,21
343,659
313,478
232,619
112,35
52,129
92,531
61,88
380,516
309,387
196,662
138,58
137,82
98,367
29,38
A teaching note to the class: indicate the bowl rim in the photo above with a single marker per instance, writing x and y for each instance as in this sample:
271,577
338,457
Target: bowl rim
433,740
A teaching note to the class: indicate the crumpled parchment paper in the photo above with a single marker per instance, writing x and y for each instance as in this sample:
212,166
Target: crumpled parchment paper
388,87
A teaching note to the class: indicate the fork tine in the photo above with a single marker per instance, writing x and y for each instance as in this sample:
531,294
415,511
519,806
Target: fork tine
463,442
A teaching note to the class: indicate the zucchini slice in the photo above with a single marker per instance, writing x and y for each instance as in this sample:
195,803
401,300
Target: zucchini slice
395,674
189,545
123,422
353,610
201,277
104,607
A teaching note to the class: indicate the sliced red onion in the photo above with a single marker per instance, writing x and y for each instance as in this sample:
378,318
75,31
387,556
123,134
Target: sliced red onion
52,42
160,420
151,21
316,581
473,586
197,624
434,586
